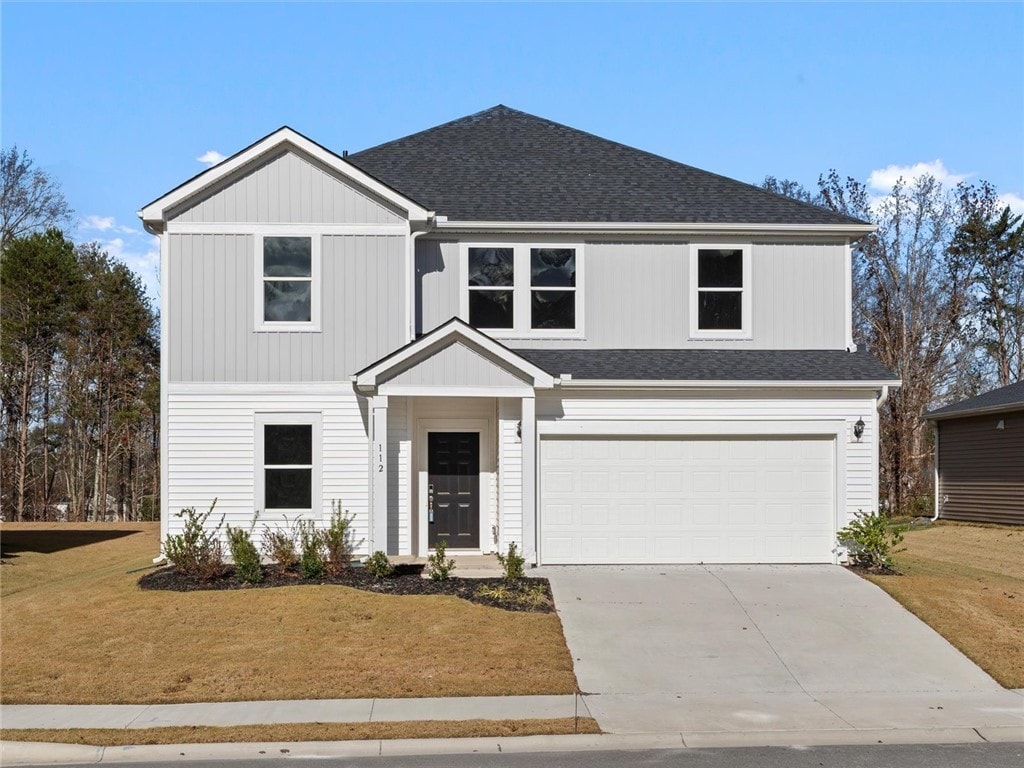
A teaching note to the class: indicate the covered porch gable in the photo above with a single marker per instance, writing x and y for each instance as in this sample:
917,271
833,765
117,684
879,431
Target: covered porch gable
410,393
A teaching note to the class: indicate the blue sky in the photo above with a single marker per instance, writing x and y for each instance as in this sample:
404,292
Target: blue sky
119,100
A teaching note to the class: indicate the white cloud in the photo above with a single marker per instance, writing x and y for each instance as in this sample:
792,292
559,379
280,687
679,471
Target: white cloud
883,179
210,158
1016,202
94,223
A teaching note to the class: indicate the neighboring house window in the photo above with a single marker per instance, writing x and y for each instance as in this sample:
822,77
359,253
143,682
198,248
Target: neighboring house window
721,295
288,289
288,462
552,288
523,290
491,287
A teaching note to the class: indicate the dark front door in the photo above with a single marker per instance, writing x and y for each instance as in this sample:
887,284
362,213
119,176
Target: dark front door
453,491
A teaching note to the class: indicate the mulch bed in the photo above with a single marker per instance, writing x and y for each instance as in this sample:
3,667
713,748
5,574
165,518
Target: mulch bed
530,595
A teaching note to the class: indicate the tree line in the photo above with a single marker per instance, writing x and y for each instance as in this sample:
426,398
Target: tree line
938,297
79,366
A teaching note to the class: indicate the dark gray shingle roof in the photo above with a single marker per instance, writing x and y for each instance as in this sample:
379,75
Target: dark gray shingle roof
505,165
1004,398
710,364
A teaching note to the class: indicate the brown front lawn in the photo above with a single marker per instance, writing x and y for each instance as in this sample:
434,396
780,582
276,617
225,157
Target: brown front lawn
77,629
291,732
967,583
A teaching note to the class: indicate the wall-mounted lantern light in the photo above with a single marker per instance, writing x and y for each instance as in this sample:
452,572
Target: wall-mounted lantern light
519,429
858,429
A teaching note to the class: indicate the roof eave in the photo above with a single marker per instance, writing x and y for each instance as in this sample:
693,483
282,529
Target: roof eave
845,230
939,416
566,381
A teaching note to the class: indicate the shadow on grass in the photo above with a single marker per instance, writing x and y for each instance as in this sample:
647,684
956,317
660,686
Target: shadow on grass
13,543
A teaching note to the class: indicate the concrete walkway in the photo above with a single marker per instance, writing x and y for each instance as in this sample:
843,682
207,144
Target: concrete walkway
274,712
763,648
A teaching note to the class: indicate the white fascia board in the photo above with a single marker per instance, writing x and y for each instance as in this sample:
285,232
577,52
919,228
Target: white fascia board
850,230
441,337
154,213
565,383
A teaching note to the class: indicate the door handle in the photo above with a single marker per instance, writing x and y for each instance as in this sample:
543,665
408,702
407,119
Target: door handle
430,503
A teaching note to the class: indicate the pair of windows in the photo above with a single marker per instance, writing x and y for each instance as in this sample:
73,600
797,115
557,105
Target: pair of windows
519,289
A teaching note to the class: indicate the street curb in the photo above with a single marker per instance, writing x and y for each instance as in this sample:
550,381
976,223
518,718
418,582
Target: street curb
38,753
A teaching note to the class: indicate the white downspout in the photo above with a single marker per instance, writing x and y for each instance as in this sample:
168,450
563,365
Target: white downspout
410,271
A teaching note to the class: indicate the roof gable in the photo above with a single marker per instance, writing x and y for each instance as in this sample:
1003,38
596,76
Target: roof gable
454,355
1007,398
285,139
505,165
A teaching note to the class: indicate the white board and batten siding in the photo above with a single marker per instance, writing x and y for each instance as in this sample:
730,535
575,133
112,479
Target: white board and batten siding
287,188
637,295
453,367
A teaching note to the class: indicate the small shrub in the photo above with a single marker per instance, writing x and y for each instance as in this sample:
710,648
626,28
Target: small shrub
512,563
871,540
196,551
531,596
338,539
379,566
440,567
312,557
245,555
279,545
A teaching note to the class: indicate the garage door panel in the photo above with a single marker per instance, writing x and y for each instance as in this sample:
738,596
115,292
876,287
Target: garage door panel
665,500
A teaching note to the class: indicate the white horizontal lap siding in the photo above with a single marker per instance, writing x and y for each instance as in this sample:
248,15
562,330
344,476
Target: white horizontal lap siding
211,445
510,475
860,458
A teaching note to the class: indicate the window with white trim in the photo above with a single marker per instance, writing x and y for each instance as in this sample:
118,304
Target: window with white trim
288,290
720,296
523,290
288,463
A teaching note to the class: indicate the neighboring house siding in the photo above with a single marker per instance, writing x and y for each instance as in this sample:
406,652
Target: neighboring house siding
981,468
637,295
211,313
287,188
861,457
456,366
211,451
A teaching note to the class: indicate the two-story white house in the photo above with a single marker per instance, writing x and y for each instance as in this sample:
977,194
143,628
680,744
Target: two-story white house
503,329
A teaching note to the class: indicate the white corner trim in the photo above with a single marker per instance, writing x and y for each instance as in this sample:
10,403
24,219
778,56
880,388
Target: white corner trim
155,212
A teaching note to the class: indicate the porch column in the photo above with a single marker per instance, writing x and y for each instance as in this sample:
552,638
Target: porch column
379,473
528,431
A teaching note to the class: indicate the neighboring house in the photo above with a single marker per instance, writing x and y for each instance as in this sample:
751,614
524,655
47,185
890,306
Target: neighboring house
979,457
506,330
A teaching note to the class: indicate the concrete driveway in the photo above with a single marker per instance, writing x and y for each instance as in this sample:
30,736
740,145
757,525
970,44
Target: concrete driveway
763,648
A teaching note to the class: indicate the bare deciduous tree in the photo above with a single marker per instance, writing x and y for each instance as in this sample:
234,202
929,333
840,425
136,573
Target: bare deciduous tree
30,199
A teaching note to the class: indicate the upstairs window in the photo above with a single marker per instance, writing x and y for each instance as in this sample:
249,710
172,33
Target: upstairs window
491,287
721,295
552,288
523,291
287,290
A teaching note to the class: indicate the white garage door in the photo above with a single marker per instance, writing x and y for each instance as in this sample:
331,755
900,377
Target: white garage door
687,500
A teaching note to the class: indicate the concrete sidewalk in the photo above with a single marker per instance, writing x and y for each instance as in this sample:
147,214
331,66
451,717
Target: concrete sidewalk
302,711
